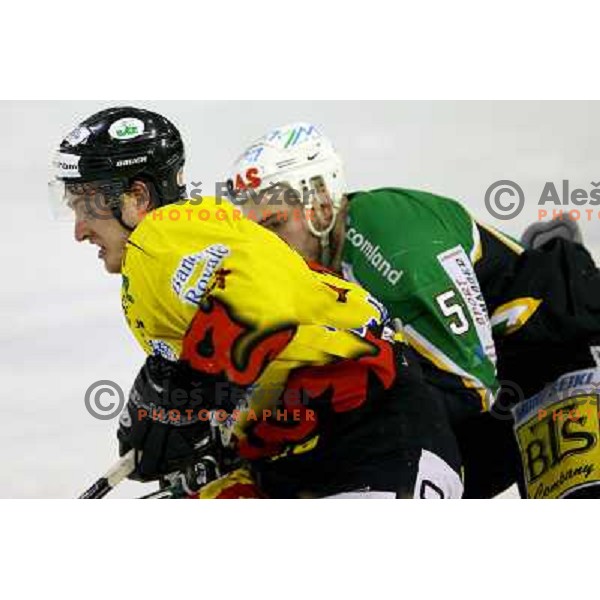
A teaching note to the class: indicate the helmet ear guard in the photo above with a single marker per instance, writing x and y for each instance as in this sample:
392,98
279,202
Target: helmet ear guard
319,195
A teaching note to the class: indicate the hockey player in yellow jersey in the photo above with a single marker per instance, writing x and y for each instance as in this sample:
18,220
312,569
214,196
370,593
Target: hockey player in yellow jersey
296,365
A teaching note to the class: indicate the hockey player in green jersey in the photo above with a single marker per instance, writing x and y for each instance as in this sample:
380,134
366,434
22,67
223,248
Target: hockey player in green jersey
463,291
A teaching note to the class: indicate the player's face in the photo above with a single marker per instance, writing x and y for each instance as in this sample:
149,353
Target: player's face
96,223
289,223
288,220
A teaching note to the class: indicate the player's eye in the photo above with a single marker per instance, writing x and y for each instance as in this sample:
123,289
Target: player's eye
271,224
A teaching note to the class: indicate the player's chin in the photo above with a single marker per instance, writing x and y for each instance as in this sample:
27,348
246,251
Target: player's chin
112,264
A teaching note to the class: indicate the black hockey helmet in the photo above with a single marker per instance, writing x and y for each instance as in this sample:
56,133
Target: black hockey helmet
117,145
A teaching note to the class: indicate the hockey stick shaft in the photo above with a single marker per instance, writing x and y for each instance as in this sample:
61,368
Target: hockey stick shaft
119,471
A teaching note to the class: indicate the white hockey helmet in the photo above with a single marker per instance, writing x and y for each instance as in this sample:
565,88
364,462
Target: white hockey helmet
296,154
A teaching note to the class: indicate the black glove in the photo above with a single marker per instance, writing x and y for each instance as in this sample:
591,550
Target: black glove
164,419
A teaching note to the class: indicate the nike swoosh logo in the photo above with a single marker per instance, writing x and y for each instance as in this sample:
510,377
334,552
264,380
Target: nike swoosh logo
313,156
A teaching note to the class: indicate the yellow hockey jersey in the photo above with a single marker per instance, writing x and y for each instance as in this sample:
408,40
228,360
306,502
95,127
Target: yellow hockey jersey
205,285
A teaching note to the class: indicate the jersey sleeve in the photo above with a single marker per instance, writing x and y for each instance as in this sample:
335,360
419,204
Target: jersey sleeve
539,296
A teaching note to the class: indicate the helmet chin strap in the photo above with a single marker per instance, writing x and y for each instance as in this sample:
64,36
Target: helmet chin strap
324,236
118,215
123,224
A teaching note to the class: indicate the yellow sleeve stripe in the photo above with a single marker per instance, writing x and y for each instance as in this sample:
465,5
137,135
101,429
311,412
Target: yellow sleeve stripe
514,314
476,250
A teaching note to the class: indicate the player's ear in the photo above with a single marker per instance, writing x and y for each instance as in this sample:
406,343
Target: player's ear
142,196
141,193
137,202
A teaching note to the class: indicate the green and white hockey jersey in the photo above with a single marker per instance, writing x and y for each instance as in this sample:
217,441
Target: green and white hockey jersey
416,253
454,282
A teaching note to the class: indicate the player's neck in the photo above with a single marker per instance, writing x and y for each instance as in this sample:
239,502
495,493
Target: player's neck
337,242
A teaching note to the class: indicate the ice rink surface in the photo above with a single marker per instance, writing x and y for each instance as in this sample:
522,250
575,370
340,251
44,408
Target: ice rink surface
62,327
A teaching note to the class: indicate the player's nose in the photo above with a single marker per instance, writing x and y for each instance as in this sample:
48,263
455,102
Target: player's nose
81,229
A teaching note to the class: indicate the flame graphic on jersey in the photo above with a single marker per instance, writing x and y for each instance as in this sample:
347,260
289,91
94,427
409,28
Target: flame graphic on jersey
217,343
338,387
347,381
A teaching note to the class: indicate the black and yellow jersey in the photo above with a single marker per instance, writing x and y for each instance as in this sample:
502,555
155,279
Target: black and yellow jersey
544,308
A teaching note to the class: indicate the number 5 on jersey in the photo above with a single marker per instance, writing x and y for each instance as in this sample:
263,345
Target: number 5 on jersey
451,308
